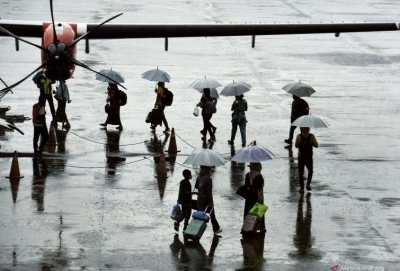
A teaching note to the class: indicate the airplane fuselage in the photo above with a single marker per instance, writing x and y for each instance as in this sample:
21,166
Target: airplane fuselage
58,65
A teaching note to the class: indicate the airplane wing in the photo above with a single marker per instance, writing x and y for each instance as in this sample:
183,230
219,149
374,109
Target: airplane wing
134,31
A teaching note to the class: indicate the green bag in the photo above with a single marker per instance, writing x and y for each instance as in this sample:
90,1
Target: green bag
258,210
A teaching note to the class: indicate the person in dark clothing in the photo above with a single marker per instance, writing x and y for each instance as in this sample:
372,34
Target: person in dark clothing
39,125
239,107
208,127
299,108
113,116
305,141
44,84
254,181
184,198
159,104
205,196
62,97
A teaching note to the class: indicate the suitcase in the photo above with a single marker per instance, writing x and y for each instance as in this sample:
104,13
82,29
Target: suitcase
250,224
195,230
154,117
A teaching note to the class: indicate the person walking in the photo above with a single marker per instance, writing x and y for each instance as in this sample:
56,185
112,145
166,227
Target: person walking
205,196
44,84
39,125
305,141
254,182
160,105
113,116
207,103
239,107
184,198
62,97
299,108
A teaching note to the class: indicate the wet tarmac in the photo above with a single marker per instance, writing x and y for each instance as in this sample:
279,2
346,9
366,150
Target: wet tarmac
94,201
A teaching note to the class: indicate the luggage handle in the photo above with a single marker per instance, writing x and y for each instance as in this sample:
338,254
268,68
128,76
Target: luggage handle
212,209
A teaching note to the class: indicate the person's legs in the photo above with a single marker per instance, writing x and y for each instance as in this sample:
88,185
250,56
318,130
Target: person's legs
310,168
291,132
44,135
164,120
242,125
36,134
301,165
214,221
187,211
49,99
234,129
207,125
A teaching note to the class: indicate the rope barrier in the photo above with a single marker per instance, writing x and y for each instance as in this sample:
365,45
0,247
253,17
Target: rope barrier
185,141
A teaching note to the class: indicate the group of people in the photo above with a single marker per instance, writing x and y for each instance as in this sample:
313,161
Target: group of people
253,181
61,94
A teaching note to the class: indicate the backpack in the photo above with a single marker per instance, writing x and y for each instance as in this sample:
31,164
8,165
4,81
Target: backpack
122,98
305,147
167,98
210,107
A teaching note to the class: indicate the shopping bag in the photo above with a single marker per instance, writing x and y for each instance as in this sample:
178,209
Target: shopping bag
177,213
258,210
243,192
196,111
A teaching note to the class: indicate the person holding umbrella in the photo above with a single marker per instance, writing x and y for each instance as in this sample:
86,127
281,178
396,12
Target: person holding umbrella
305,141
299,108
159,104
205,103
113,116
254,182
239,107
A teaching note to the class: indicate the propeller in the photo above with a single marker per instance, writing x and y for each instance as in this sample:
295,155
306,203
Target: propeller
5,31
80,64
52,20
72,43
22,80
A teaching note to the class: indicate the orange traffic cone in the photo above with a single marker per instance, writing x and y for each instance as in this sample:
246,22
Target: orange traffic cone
172,149
14,172
52,140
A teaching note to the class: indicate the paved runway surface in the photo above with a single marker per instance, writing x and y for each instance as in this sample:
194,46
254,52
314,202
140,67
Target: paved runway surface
70,212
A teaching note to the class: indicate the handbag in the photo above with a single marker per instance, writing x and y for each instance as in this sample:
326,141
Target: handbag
243,192
258,210
176,213
201,215
196,111
107,108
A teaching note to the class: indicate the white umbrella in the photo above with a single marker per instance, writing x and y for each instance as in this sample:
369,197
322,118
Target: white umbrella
114,75
8,125
156,75
205,157
299,89
253,154
213,92
205,83
310,121
235,89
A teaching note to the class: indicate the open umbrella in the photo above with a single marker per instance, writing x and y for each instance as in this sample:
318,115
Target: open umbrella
205,83
205,157
156,75
235,89
253,153
213,92
114,75
36,77
299,89
310,121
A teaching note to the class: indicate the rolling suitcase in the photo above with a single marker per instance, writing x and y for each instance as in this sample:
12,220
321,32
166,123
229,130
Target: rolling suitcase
250,224
195,230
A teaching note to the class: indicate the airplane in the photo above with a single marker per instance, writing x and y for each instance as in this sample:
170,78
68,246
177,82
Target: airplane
58,47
